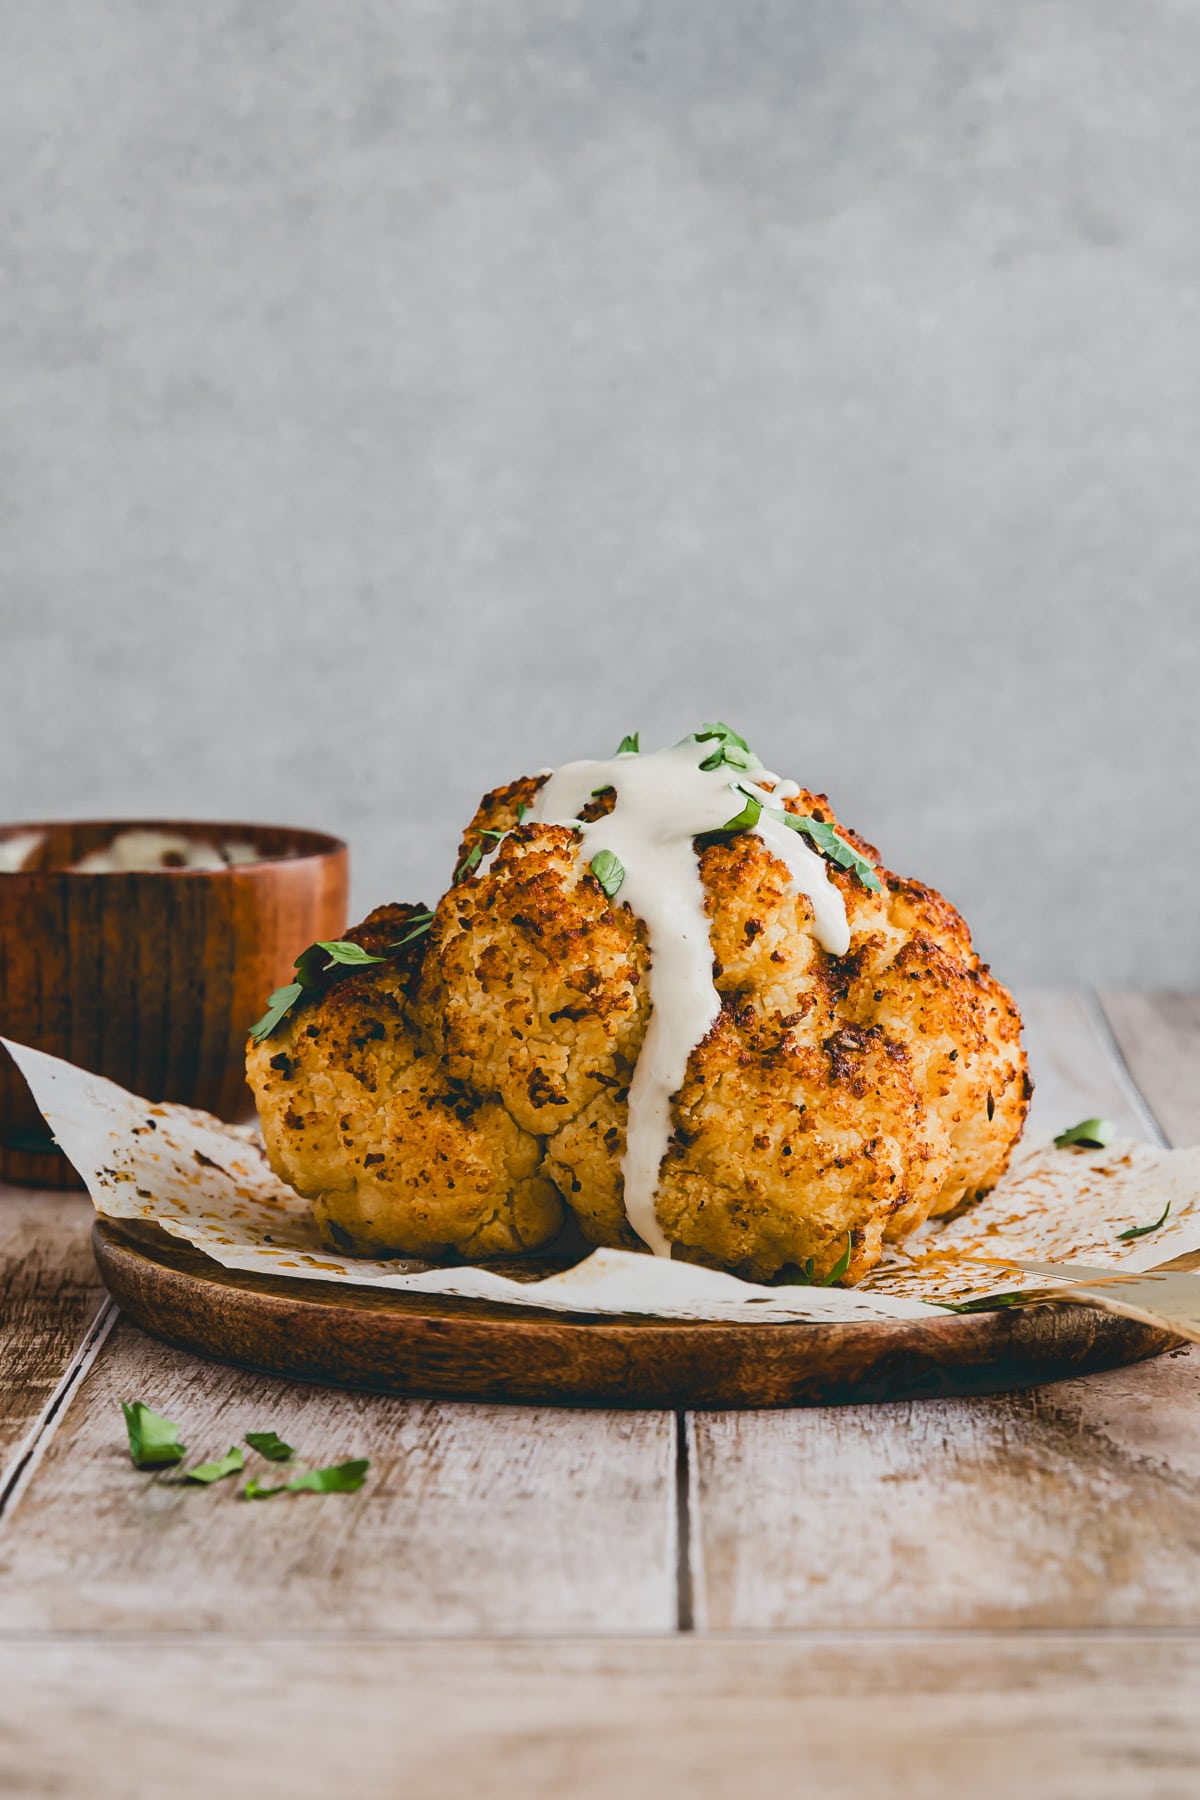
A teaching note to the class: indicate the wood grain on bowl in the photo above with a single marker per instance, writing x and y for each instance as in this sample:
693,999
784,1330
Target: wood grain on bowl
151,978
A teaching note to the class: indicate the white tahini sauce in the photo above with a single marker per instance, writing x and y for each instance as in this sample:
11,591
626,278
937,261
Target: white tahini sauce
664,800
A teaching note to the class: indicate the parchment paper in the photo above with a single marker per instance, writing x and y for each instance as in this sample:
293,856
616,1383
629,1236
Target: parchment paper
1052,1221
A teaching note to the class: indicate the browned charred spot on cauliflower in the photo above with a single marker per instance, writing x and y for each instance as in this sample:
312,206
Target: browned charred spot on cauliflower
454,1097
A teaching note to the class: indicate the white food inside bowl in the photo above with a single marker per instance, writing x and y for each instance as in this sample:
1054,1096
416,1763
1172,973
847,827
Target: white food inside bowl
16,851
139,849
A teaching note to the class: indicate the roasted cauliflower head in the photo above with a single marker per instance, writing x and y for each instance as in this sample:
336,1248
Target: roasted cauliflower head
458,1095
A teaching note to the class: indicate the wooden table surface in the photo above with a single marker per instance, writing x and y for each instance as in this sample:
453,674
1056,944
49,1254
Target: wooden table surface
996,1596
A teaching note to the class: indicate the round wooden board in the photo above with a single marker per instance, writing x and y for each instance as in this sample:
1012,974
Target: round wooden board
424,1345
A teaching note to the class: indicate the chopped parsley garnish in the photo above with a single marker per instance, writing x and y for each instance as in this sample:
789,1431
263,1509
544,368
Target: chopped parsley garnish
1090,1134
338,1478
475,854
609,871
230,1464
748,818
840,1266
823,836
1137,1231
270,1445
724,734
806,1274
153,1440
278,1007
154,1444
629,745
732,751
341,951
834,847
420,922
994,1302
469,863
732,758
312,966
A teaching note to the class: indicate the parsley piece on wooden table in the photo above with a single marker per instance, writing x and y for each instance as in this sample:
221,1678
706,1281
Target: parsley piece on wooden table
153,1441
338,1478
207,1473
270,1445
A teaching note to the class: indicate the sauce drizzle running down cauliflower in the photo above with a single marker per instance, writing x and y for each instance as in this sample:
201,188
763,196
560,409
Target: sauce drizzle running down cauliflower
664,802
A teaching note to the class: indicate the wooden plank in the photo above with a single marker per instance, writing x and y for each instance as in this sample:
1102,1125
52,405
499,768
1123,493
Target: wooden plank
1071,1506
473,1519
1076,1072
50,1299
1159,1037
1059,1718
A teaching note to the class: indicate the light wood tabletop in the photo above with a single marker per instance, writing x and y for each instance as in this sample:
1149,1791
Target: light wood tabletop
998,1596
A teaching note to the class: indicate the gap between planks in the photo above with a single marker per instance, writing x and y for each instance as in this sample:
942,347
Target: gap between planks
685,1611
51,1306
30,1453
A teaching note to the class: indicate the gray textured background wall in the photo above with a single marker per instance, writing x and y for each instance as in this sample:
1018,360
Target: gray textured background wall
400,396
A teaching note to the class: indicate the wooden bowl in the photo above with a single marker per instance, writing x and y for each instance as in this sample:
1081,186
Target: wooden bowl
151,978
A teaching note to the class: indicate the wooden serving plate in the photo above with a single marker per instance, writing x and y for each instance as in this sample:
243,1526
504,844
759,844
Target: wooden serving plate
429,1346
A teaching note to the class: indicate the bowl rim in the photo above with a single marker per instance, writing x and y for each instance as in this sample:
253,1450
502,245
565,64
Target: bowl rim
320,846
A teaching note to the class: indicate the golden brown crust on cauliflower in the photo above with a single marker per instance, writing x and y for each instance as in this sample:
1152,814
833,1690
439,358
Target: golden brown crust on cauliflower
534,985
359,1115
444,1099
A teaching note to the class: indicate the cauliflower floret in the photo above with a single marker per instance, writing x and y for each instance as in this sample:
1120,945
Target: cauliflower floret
533,987
446,1098
359,1115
